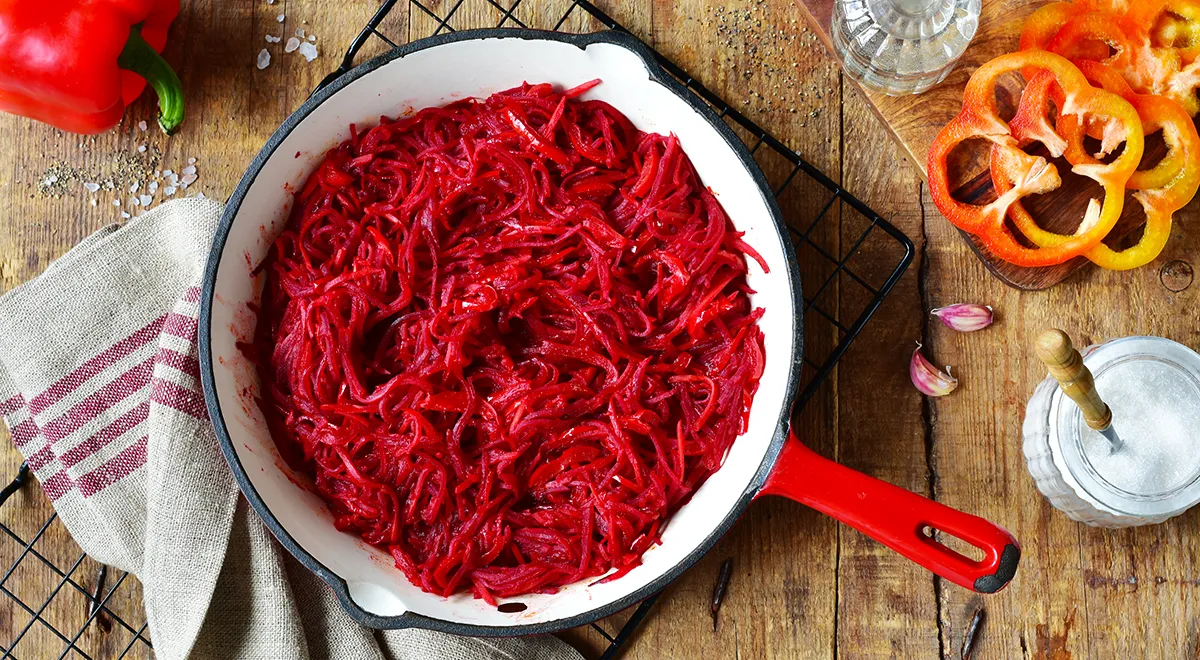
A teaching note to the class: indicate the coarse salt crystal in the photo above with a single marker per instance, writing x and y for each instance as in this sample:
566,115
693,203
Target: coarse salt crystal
192,161
270,2
168,172
309,51
134,188
116,202
300,32
173,180
169,190
50,180
280,18
188,179
92,187
134,201
153,187
94,201
292,44
272,39
312,37
125,215
264,59
145,200
190,169
142,126
142,149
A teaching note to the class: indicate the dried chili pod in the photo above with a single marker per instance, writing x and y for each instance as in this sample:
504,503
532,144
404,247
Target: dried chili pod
720,588
968,645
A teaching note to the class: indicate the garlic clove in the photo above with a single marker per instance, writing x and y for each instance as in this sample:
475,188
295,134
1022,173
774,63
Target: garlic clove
965,317
927,378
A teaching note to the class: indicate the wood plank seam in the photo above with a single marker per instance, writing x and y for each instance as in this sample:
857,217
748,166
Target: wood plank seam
928,415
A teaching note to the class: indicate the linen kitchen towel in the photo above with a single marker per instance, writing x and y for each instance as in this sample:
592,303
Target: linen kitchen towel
100,388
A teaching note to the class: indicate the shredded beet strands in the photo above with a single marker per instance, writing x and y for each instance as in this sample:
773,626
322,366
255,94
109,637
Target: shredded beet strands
508,339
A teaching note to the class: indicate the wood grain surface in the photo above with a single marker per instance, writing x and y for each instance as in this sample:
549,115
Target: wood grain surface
802,586
915,120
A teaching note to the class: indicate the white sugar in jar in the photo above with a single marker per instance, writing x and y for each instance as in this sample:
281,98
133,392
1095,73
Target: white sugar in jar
1152,386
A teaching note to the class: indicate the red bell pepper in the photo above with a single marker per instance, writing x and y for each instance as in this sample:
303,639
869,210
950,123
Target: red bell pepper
77,65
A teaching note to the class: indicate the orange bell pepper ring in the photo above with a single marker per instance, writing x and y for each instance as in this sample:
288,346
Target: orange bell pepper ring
1034,174
1153,44
1043,24
1162,189
1170,24
1142,65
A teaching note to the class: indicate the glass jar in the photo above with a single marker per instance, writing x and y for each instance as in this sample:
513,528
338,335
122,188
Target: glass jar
902,46
1152,386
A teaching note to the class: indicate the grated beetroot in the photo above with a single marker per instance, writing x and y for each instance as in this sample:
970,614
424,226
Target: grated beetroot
508,339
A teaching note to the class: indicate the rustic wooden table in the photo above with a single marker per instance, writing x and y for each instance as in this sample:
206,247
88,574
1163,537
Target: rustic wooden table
802,585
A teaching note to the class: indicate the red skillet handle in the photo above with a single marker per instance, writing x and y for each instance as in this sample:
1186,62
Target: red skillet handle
896,517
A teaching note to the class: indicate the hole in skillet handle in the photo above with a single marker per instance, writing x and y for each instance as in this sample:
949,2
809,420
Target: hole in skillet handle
954,543
512,608
1006,567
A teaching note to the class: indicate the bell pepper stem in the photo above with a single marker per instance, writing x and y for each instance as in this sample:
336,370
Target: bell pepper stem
140,58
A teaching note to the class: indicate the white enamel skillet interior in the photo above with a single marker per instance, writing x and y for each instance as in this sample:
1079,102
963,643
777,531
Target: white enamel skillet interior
433,72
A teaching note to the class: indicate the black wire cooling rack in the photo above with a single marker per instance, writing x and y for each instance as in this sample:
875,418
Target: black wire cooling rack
850,259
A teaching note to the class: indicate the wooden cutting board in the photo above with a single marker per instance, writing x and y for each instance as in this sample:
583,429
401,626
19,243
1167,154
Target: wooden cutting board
915,120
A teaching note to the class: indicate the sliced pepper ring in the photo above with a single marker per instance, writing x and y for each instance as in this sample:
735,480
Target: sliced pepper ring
1181,87
1169,24
1063,134
1157,42
1153,240
1163,189
1157,113
1043,24
1032,122
979,119
1141,64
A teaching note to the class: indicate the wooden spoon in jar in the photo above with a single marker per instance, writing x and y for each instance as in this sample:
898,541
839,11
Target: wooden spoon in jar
1054,349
